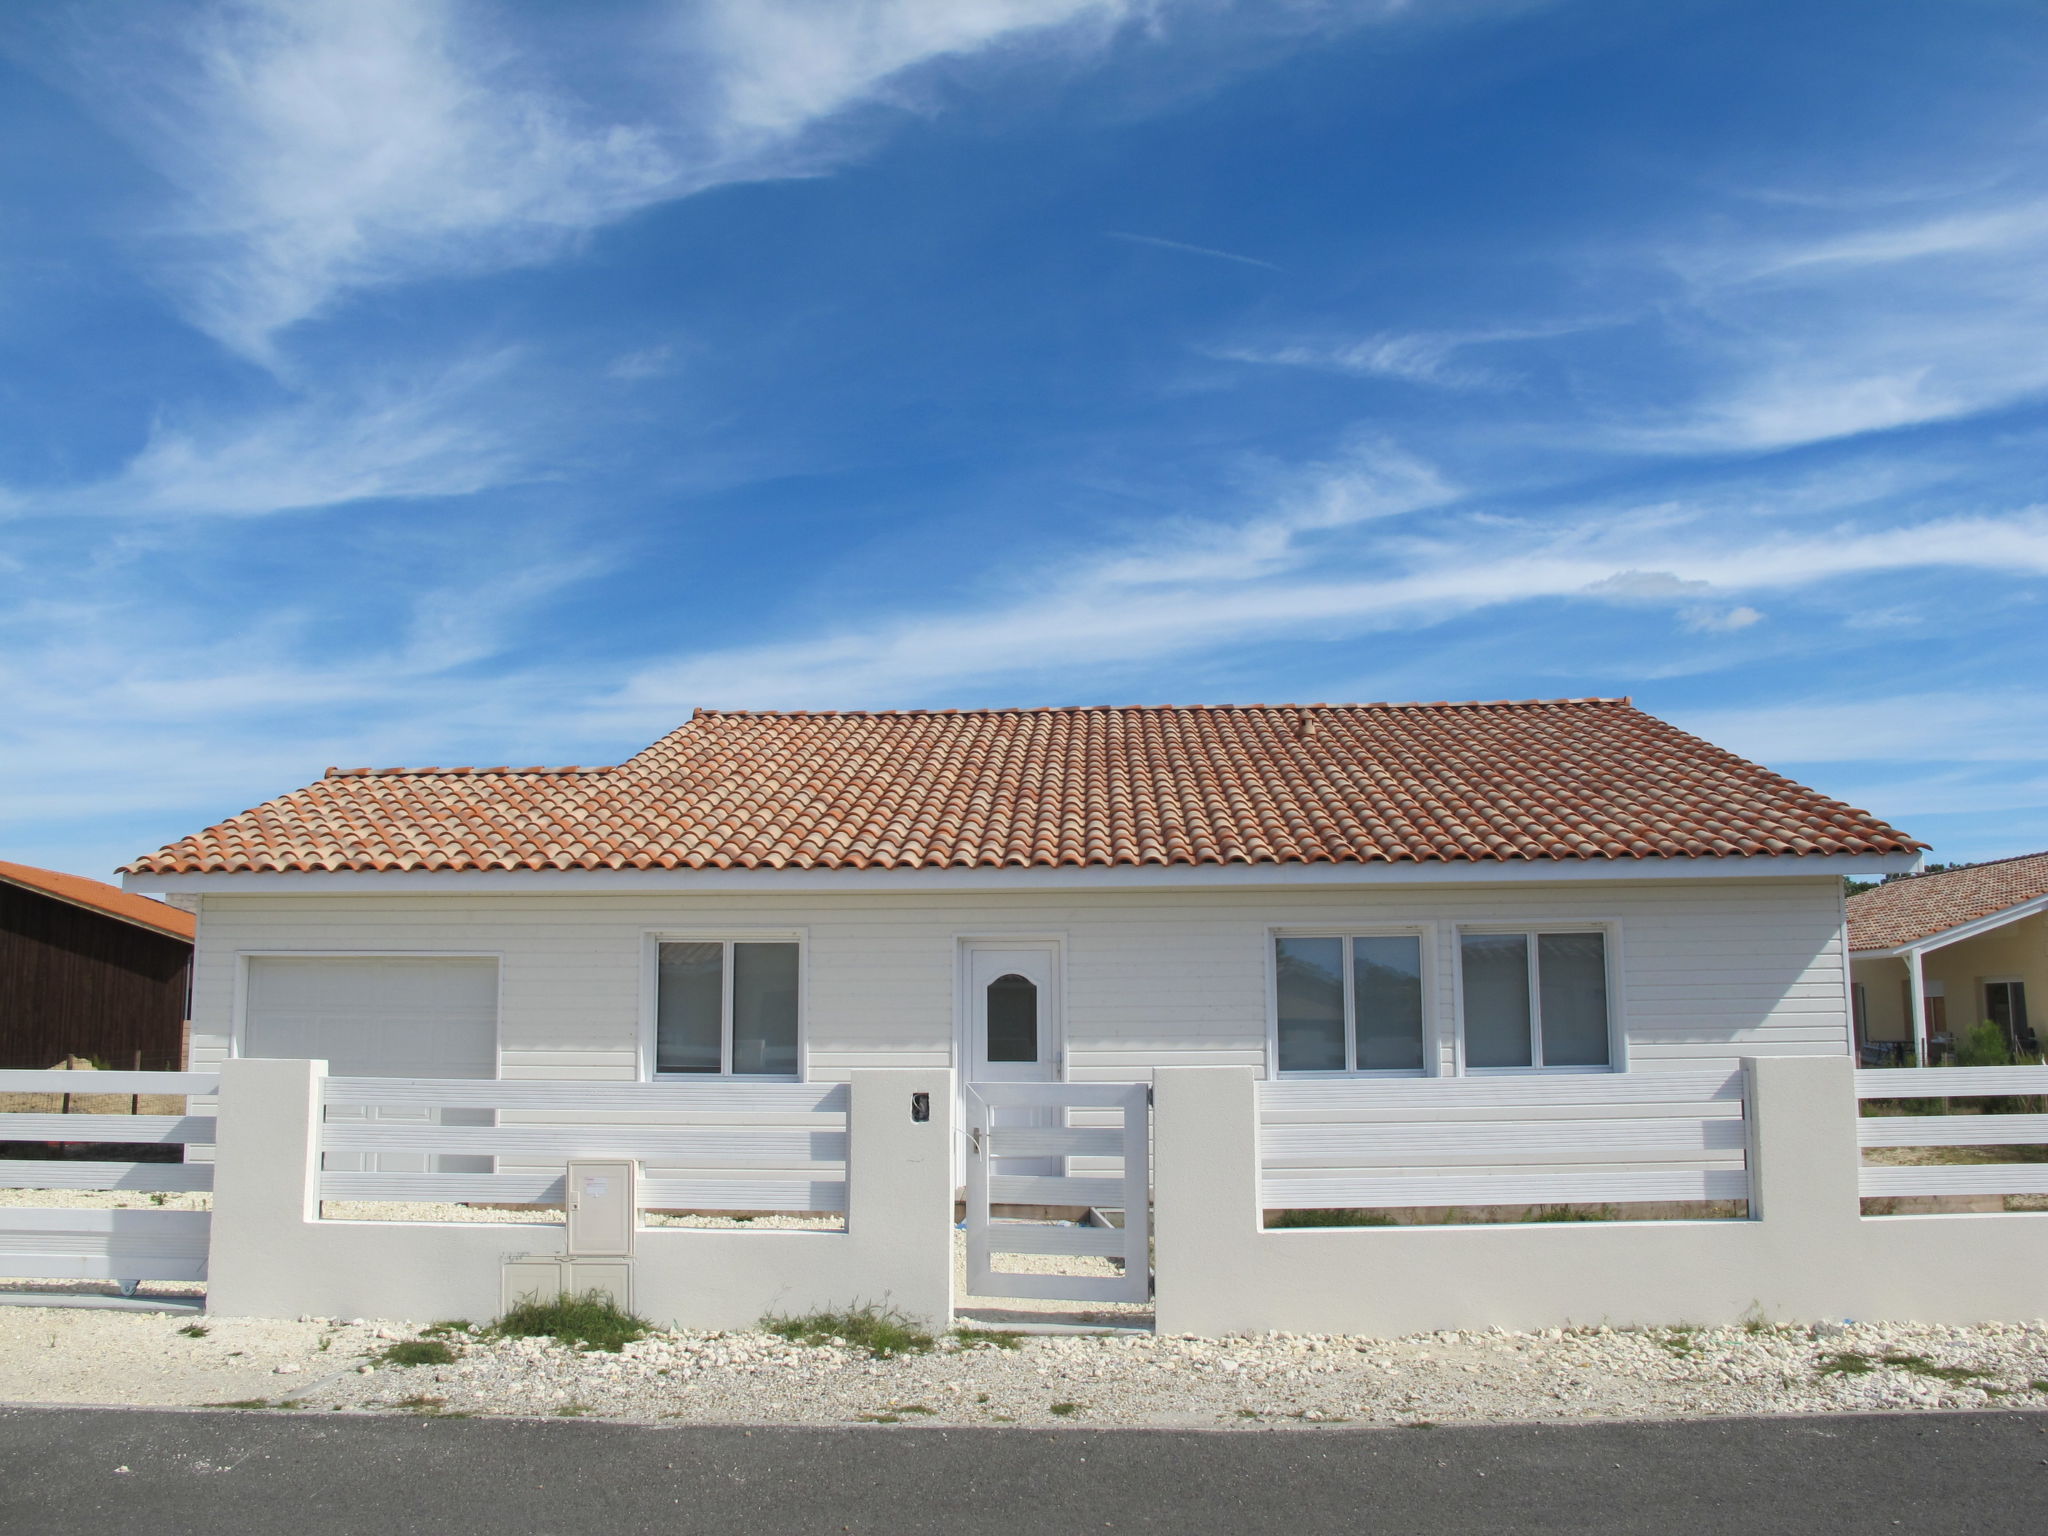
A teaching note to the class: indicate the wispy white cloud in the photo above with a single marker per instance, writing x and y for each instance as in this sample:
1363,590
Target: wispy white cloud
1961,725
429,437
324,146
1191,250
1423,357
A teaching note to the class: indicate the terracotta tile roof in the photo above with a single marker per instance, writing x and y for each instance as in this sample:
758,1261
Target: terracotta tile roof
1920,906
101,897
1254,784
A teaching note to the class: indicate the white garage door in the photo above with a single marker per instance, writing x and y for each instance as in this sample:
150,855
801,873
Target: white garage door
380,1016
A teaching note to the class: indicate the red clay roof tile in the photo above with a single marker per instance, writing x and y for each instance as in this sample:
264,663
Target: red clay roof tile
1573,779
97,895
1920,906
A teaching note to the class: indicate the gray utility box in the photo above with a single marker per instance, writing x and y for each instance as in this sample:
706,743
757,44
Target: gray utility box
599,1203
548,1277
600,1210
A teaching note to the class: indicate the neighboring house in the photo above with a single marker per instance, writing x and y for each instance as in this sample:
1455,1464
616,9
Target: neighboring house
1407,889
89,970
1935,954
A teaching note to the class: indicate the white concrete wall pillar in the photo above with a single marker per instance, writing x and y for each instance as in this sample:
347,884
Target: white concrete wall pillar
1205,1195
1803,1156
899,1191
265,1184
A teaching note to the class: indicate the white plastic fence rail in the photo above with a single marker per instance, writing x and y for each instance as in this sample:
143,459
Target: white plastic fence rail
1128,1190
1509,1140
1980,1130
703,1146
49,1243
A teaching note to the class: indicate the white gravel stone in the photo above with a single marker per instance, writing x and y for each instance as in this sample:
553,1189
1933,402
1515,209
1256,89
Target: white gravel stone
1266,1381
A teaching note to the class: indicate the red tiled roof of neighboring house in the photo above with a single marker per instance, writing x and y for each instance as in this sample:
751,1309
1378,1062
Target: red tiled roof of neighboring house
1567,779
98,896
1920,906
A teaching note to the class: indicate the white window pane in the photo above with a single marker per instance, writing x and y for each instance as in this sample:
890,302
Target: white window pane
1311,989
1386,986
1571,975
764,1008
1496,999
688,1000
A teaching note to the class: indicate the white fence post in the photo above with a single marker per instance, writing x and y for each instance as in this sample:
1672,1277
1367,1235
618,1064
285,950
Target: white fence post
899,1191
266,1184
1205,1194
1803,1157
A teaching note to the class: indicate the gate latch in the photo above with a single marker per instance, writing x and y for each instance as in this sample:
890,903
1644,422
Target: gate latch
974,1141
920,1107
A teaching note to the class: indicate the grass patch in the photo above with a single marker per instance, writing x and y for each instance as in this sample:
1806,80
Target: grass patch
1571,1213
882,1332
896,1414
1848,1362
1680,1342
995,1338
572,1410
1065,1410
448,1328
247,1402
591,1320
419,1402
417,1352
195,1330
1920,1365
1331,1218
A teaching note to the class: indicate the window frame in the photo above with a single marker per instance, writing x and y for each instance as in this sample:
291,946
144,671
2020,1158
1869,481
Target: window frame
1609,930
1424,934
650,1002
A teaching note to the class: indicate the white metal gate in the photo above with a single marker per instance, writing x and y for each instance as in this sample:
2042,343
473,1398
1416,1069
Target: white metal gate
1028,1126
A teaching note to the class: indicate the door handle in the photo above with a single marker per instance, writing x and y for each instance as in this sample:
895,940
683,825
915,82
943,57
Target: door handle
974,1141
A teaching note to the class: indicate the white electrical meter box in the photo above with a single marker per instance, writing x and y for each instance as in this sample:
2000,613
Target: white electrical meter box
600,1207
531,1277
547,1277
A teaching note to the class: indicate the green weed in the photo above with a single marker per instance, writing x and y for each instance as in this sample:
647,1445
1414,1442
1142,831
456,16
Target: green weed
417,1352
882,1332
591,1320
195,1330
1065,1410
995,1338
1331,1218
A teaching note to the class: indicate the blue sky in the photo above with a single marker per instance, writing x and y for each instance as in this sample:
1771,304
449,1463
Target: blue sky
410,381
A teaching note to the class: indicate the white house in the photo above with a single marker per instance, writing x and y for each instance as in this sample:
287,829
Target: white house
1420,889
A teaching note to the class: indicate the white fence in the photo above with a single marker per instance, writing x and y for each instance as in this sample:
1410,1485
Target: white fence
1667,1136
56,1243
702,1146
1975,1130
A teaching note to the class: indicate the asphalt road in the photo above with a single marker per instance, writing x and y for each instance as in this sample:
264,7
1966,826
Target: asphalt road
109,1472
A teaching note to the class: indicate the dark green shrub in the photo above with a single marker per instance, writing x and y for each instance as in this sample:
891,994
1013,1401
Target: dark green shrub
591,1320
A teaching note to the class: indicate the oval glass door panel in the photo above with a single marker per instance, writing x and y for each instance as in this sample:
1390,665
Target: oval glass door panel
1012,1019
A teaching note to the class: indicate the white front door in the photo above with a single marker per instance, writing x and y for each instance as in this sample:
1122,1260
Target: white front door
1014,1033
380,1016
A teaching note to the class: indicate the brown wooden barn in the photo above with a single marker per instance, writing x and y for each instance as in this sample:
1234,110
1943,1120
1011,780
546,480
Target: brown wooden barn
89,970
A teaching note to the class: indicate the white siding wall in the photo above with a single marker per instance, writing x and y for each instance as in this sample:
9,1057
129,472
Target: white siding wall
1709,969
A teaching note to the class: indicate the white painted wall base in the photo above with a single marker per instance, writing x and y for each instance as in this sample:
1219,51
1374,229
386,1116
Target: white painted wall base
1805,1255
274,1257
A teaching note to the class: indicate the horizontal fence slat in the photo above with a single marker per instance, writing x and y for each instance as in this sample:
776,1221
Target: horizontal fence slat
1451,1093
13,1081
1057,1095
1948,1082
1558,1140
1029,1237
1951,1130
1588,1187
66,1244
1957,1179
1482,1114
1031,1189
692,1145
762,1194
133,1130
163,1177
1050,1141
505,1093
998,1283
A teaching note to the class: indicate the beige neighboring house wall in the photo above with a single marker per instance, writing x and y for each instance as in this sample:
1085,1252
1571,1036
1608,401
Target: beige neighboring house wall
1958,974
1972,926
